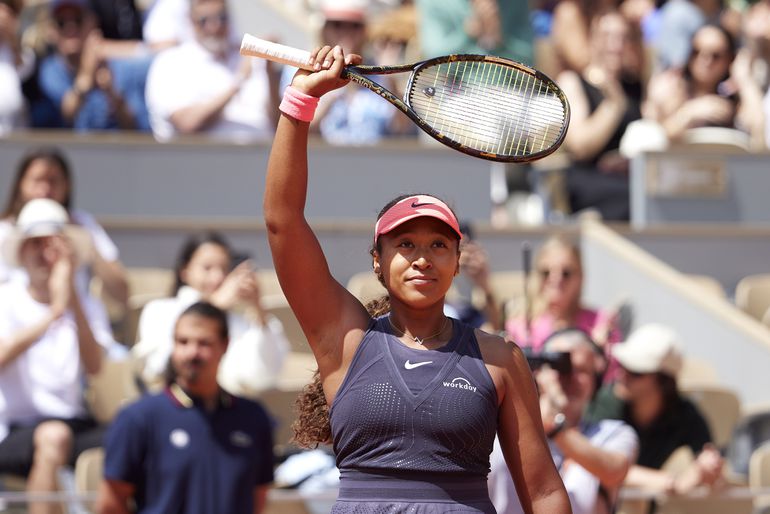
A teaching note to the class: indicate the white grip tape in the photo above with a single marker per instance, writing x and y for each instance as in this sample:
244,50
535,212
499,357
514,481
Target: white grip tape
255,47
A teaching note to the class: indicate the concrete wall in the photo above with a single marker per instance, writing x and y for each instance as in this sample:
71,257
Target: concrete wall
711,329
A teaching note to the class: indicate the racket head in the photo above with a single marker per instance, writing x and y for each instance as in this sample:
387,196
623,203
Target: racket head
488,107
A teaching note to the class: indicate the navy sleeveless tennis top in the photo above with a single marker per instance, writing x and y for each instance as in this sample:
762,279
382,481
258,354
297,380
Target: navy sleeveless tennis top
414,426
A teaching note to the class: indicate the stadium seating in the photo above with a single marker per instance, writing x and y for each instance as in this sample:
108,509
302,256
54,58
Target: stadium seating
752,295
721,408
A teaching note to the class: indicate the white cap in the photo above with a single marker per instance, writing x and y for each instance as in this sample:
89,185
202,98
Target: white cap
651,348
344,10
44,217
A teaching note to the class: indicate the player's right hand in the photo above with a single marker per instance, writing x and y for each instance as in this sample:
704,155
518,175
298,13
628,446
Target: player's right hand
328,64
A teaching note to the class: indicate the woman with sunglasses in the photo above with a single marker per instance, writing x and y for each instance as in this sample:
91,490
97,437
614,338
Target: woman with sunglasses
698,95
557,287
410,400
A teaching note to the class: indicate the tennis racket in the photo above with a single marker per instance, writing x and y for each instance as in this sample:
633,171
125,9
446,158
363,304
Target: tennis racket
484,106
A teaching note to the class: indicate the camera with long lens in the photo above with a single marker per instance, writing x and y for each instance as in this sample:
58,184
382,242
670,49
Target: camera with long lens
559,361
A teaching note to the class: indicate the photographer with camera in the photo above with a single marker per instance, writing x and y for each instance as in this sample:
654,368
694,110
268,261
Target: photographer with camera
592,458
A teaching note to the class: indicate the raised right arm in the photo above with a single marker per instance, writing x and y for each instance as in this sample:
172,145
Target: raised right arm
328,313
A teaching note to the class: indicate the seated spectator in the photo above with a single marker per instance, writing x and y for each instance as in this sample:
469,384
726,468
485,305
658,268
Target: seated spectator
16,64
50,336
605,98
258,346
696,96
204,86
91,91
571,30
45,173
558,284
168,24
356,115
192,448
592,458
646,397
493,27
474,275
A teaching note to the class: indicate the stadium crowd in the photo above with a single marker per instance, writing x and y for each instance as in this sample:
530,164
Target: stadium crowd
639,74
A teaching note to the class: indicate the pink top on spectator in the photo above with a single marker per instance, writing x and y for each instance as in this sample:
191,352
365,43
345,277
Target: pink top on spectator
543,326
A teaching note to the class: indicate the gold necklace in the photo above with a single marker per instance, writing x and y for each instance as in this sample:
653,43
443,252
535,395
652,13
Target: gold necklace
419,340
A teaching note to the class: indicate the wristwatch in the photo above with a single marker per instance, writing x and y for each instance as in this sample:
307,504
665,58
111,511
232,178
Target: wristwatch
559,422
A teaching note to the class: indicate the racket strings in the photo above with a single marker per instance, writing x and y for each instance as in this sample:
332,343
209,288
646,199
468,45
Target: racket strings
489,106
471,111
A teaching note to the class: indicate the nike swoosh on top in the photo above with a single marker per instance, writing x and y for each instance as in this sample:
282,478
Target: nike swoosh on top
409,365
415,204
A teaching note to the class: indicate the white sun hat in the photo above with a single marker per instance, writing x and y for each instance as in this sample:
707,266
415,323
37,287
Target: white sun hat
345,10
43,217
652,348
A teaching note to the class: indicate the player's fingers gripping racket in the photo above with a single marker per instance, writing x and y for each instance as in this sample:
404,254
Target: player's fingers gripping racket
484,106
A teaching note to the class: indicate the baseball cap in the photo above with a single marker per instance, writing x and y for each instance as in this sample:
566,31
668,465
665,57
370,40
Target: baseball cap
344,10
44,217
415,207
652,348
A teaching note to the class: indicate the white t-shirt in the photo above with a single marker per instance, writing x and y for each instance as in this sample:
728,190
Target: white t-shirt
582,487
47,379
102,242
188,74
11,99
168,20
253,360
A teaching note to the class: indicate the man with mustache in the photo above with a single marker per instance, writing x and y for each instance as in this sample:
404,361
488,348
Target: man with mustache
193,448
204,86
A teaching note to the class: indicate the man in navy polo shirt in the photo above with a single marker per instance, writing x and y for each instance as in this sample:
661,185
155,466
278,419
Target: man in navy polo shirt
192,449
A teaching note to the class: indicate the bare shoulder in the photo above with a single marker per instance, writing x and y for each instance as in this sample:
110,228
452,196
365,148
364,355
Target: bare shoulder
504,360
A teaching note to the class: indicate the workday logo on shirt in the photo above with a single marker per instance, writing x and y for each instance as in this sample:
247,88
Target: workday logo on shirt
460,383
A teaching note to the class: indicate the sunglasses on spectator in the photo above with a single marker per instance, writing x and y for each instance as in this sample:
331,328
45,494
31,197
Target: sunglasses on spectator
219,19
716,56
76,20
345,25
565,273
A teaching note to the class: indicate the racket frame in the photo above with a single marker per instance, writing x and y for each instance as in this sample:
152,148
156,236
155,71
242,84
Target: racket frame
356,74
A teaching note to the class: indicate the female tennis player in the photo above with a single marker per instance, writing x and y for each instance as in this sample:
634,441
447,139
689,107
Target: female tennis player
415,398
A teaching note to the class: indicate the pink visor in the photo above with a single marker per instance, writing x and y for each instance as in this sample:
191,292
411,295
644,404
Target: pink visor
415,207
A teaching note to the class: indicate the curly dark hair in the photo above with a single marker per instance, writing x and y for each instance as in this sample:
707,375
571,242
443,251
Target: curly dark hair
312,426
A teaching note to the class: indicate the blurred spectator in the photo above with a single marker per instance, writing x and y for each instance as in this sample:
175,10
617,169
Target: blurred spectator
168,24
45,173
556,305
646,397
192,448
605,98
16,64
697,96
474,275
119,20
91,91
680,19
204,271
750,75
356,115
493,27
572,27
592,458
49,336
205,86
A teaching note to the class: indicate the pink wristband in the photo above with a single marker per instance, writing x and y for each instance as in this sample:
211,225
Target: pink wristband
298,105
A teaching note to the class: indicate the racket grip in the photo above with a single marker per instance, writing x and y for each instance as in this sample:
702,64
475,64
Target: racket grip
255,47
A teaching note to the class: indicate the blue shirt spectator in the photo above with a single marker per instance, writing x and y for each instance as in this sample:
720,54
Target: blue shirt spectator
56,79
90,90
